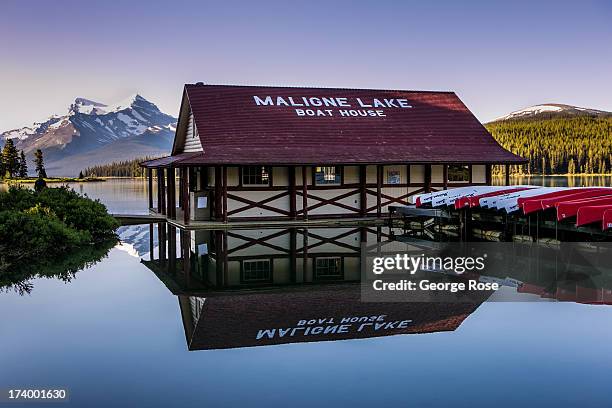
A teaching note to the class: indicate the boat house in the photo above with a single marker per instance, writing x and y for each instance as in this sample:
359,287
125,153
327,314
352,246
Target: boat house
286,153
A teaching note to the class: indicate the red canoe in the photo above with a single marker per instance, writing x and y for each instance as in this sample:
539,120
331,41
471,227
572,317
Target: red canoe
566,209
574,195
606,220
591,213
474,201
532,204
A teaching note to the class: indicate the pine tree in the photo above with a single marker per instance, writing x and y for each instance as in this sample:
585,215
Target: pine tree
40,164
23,166
80,174
10,157
2,169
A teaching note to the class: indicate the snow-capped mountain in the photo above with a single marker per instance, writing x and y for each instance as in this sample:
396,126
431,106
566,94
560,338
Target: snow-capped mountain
96,133
551,110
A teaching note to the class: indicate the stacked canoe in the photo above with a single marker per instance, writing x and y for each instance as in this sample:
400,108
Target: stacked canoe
588,205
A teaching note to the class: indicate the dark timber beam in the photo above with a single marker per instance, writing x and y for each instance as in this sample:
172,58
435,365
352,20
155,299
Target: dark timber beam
171,178
363,197
160,191
161,239
292,193
507,174
163,191
488,175
445,175
379,178
218,205
185,194
427,176
171,248
224,193
151,243
304,193
150,186
293,254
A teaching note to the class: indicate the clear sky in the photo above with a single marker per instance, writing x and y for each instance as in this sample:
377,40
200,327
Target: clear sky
498,56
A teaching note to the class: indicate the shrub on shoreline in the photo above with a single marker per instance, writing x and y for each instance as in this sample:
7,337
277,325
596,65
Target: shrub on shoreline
43,225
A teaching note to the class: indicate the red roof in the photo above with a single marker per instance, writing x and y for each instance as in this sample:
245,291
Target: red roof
263,125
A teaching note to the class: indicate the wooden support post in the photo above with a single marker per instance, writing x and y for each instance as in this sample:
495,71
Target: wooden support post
218,206
305,255
470,174
218,258
171,248
162,186
161,241
151,243
507,174
159,190
363,235
185,194
304,193
293,254
225,263
488,175
427,183
379,178
150,186
363,197
445,175
224,193
292,194
186,250
171,210
180,196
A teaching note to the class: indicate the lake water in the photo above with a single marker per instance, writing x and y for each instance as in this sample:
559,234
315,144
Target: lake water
173,319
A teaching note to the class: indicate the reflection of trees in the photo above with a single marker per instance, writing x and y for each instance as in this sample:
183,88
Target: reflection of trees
18,278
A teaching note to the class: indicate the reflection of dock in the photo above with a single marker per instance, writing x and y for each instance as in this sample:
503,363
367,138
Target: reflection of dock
132,219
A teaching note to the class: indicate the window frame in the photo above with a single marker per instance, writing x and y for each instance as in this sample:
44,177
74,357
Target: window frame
317,278
268,280
242,175
465,167
339,171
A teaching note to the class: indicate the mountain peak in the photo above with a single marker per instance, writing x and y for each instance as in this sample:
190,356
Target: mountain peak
87,106
548,110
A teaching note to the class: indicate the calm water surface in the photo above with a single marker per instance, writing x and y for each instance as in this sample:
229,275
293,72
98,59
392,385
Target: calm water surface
128,331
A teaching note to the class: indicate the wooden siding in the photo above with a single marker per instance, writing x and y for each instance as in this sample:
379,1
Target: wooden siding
192,139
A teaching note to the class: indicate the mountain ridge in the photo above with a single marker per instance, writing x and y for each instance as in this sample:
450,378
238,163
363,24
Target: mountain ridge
93,132
551,110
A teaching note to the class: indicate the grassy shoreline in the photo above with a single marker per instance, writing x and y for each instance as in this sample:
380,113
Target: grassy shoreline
53,180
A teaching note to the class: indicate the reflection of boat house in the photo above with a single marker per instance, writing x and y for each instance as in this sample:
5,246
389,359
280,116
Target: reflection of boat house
212,260
244,288
296,153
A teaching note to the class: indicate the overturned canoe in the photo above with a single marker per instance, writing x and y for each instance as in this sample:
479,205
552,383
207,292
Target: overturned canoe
567,209
591,213
533,204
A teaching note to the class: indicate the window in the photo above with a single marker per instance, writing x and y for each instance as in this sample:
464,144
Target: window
256,271
328,175
255,176
393,177
458,173
328,268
